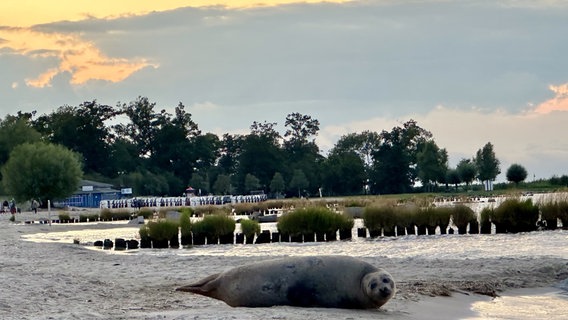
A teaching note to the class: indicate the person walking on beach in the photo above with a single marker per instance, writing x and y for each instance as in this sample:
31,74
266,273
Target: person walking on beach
35,204
13,206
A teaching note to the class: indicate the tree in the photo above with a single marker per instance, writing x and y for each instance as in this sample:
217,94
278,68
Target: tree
251,183
260,155
432,164
394,161
453,177
222,185
299,181
14,131
487,164
200,182
41,171
301,151
344,174
82,129
300,128
146,183
277,185
144,121
516,173
466,171
363,144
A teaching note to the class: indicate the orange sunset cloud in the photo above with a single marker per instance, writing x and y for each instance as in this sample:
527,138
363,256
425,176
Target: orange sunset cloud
81,59
558,103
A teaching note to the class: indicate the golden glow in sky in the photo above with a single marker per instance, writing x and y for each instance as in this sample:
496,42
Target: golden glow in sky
25,13
82,59
558,103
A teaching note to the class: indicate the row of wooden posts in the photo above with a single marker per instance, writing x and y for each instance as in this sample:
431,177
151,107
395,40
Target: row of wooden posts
266,236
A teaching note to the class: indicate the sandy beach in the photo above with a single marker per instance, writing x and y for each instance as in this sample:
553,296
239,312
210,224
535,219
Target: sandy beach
62,280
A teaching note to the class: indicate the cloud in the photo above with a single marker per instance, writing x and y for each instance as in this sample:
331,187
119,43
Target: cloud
558,103
32,12
73,55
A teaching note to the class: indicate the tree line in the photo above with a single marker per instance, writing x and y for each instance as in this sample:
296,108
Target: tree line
155,152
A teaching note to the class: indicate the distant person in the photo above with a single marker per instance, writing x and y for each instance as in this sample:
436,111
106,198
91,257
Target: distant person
35,205
5,206
13,207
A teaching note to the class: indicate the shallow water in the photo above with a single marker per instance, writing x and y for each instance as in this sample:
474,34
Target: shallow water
534,244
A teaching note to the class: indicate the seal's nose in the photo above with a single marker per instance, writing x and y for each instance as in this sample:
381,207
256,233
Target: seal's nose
385,292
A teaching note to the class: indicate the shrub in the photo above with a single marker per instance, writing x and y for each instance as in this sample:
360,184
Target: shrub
312,220
376,218
432,217
243,208
250,227
214,226
442,217
185,223
107,214
277,204
162,230
514,215
356,203
64,216
90,217
121,215
147,213
202,211
485,218
144,232
462,215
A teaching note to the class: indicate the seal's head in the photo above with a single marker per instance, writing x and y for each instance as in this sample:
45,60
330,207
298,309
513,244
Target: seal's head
378,286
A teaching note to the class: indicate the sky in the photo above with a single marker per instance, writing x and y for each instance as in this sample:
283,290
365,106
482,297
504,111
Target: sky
470,72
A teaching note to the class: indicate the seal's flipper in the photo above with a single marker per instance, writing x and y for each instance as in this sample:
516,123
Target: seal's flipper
206,286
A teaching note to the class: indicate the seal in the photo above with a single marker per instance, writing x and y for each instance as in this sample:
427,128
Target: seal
316,281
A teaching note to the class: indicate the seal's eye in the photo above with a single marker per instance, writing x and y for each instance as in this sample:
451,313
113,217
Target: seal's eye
373,285
386,280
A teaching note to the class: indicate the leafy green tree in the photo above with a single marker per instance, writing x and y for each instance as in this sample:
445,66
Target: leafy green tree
299,181
394,161
432,164
453,177
146,183
144,122
251,183
229,151
41,171
124,156
344,174
200,182
301,151
277,185
466,170
260,155
300,128
487,164
83,130
516,173
222,185
363,144
14,131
